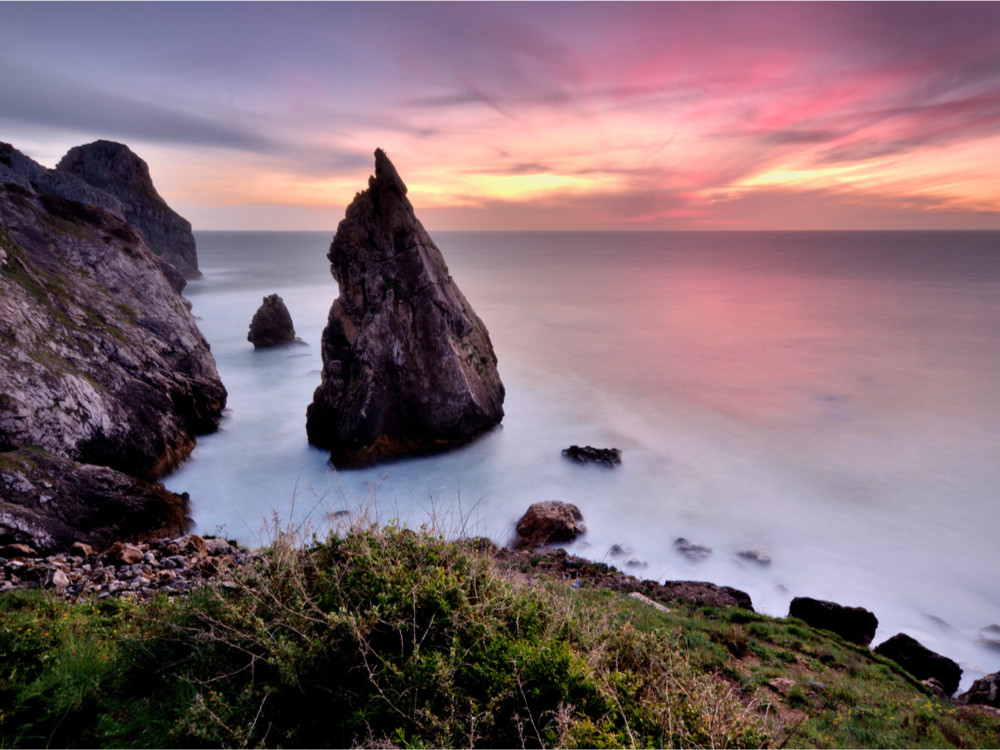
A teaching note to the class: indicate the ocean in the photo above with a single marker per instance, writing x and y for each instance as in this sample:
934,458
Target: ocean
829,399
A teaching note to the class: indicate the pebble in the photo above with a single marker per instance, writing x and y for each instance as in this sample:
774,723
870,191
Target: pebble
134,571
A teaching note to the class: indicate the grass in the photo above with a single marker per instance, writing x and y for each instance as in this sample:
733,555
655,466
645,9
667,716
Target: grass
389,637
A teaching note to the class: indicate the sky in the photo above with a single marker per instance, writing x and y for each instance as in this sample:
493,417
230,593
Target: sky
528,116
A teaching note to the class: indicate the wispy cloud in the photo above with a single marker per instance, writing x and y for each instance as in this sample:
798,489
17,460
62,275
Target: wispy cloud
47,101
636,113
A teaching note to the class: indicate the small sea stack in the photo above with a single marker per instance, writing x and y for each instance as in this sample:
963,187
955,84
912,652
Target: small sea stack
271,324
408,366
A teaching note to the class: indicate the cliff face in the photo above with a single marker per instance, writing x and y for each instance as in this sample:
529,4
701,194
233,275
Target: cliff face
114,169
408,367
101,362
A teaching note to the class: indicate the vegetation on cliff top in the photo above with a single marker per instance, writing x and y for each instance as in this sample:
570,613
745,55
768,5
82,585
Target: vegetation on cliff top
386,637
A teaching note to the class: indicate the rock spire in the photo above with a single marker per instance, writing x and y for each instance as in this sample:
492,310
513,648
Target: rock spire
408,366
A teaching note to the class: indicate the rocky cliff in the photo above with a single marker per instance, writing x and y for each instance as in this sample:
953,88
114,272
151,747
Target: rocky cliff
115,170
408,367
101,363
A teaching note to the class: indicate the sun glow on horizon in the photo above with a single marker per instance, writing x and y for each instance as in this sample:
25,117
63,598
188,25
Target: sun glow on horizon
564,115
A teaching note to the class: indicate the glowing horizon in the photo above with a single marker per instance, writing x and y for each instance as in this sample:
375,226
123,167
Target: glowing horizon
528,115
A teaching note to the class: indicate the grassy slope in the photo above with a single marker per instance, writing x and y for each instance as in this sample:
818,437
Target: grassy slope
386,637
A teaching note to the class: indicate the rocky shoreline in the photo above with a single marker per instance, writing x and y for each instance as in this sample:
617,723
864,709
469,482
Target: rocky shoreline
141,571
175,566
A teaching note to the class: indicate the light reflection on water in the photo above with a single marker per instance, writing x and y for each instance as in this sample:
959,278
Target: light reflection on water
827,398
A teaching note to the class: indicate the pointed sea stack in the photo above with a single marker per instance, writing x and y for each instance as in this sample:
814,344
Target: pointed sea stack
408,366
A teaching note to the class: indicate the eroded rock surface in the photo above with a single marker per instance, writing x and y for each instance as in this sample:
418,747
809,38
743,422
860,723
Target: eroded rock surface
271,324
100,360
408,366
114,169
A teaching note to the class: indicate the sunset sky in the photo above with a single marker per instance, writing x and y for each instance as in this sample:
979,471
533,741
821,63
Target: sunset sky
612,116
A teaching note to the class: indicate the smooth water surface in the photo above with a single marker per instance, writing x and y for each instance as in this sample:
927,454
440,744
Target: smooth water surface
829,399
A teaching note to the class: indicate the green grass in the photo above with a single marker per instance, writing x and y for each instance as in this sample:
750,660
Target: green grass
393,638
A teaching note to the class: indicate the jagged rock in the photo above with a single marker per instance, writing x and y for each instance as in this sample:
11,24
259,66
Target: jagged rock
59,579
408,367
174,277
984,691
559,564
271,324
100,362
854,624
921,662
216,546
549,522
125,554
81,549
590,455
56,504
692,551
20,171
116,170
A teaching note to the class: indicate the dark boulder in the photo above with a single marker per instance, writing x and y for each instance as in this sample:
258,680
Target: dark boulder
854,624
985,691
116,170
590,455
921,662
271,324
408,367
549,522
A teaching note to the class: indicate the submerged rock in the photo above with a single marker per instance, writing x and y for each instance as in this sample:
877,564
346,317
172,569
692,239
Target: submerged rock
921,662
549,522
755,556
990,636
854,624
113,168
271,324
408,367
692,551
590,455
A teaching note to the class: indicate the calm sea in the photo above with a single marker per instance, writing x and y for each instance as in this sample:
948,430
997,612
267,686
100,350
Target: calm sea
829,399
